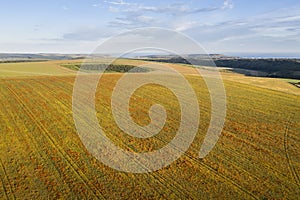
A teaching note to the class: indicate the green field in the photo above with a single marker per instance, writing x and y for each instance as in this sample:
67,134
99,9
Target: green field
42,157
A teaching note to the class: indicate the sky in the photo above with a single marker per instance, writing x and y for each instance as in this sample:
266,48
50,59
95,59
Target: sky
220,26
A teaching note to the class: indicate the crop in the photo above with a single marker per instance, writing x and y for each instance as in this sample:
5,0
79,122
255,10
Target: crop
42,156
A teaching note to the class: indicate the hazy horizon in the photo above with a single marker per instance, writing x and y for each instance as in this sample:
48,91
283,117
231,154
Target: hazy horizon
235,54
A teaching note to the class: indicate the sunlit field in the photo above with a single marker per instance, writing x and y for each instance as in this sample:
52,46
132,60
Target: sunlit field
42,156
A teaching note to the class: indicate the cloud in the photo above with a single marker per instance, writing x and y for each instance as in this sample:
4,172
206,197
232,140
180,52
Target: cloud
132,21
172,9
295,18
97,5
185,25
88,35
120,3
84,34
65,8
227,4
149,39
139,15
276,31
274,24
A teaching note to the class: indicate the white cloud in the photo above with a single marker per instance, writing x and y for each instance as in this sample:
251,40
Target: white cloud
97,5
113,9
275,31
278,30
130,12
119,3
132,21
172,9
227,4
65,8
185,25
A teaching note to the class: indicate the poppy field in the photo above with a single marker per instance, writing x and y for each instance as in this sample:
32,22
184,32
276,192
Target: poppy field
42,156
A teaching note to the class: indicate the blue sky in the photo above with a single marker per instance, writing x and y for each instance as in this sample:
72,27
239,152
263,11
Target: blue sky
220,26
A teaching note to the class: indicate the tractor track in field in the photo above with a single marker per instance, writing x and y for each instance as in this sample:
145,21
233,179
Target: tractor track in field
207,167
234,183
288,157
196,160
226,159
231,135
163,180
10,187
278,173
170,182
163,184
166,180
2,181
215,172
64,155
159,180
173,185
266,165
210,169
44,156
28,138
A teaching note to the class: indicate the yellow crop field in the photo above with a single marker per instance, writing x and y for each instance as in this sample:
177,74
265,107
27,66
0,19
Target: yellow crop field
42,156
34,69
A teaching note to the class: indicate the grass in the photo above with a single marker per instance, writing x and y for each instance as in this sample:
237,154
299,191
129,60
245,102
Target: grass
257,156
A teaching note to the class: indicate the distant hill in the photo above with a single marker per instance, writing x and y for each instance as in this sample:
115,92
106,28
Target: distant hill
277,68
10,57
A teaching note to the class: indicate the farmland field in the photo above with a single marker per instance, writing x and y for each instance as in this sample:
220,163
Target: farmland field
42,156
33,69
